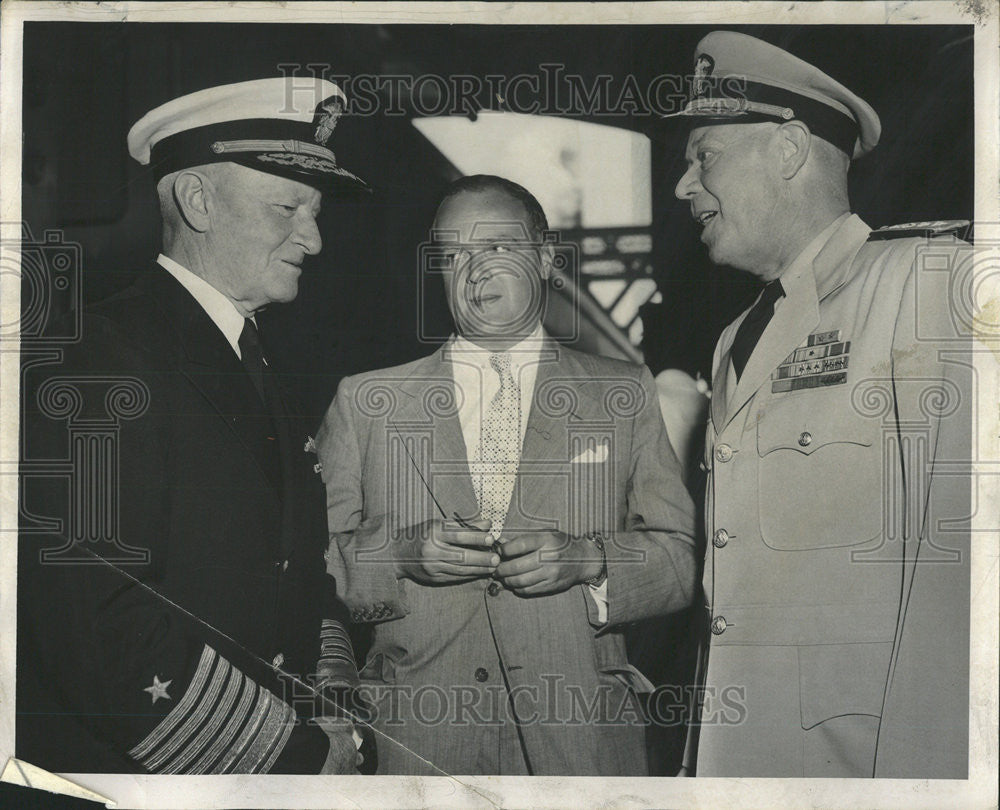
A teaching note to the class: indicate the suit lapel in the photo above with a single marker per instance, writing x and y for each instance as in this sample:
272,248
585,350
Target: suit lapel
427,402
563,394
212,367
794,319
788,329
720,380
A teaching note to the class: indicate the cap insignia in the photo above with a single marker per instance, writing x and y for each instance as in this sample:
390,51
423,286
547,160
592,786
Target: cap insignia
326,120
703,67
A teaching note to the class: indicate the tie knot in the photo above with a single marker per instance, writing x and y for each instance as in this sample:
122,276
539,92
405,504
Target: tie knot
500,363
772,292
764,307
248,337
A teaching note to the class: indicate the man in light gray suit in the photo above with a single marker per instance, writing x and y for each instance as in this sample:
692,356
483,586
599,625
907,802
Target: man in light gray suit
498,510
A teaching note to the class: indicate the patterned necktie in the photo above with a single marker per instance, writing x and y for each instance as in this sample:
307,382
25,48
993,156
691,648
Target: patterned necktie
753,326
500,447
252,357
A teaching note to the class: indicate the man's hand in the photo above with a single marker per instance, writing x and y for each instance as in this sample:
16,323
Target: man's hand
543,562
344,756
439,553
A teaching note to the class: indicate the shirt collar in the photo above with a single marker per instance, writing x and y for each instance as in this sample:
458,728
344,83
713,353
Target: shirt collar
217,306
522,354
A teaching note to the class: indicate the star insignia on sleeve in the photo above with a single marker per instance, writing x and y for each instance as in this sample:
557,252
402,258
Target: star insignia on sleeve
158,689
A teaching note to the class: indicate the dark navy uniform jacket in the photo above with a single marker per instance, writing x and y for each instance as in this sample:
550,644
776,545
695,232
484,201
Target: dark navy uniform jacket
185,574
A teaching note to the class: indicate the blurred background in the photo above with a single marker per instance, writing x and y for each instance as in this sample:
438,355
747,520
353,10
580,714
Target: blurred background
605,175
636,283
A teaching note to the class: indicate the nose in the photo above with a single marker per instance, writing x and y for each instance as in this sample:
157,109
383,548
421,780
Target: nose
689,184
307,233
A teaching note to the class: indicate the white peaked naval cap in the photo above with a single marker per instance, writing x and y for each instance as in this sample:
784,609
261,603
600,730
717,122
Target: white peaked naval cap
281,126
739,79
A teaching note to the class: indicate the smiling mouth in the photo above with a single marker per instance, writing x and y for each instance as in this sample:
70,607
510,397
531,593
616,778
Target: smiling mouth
481,300
705,217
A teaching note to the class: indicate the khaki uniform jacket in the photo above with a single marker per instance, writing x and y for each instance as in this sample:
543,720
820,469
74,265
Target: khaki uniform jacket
837,578
445,660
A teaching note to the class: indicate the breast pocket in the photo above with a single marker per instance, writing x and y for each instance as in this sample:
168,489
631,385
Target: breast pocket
820,474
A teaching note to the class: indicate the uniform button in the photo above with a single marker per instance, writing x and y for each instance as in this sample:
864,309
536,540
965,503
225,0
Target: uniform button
723,453
719,625
805,438
482,675
493,588
284,565
279,659
720,539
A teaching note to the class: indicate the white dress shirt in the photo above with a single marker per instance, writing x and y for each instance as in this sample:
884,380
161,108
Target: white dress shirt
219,308
476,384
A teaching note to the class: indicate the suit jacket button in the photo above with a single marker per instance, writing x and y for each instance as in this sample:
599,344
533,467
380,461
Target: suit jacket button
719,625
805,438
493,588
482,675
723,453
720,538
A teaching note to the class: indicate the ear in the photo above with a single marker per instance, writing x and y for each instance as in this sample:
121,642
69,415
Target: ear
547,253
794,140
191,192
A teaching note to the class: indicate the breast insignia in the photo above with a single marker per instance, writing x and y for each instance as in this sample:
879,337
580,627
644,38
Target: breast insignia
821,362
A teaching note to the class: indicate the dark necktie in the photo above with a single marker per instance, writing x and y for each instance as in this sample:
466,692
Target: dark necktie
252,357
753,325
253,361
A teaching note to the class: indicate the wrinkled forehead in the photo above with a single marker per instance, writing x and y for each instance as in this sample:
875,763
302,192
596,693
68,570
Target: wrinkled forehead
235,181
722,133
265,182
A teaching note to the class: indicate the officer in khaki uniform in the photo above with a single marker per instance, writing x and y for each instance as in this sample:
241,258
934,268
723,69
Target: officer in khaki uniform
836,577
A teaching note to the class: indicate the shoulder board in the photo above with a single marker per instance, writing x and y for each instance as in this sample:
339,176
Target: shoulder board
941,227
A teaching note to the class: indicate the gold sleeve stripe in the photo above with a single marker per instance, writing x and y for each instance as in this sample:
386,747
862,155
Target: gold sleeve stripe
224,723
216,716
287,724
184,705
335,642
277,725
178,742
228,734
250,729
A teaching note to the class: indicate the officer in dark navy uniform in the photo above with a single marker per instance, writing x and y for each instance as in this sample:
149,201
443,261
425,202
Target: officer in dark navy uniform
837,575
177,616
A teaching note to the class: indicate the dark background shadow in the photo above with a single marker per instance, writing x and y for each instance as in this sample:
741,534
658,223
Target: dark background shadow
358,308
86,84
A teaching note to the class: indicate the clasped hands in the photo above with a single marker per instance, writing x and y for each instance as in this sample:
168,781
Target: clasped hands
531,563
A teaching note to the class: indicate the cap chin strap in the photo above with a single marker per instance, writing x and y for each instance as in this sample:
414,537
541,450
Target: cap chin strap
293,147
723,107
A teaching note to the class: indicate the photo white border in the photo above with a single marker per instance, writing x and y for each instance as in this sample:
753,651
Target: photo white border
545,792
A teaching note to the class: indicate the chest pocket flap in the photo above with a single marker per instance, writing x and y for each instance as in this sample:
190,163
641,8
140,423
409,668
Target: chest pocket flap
820,468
